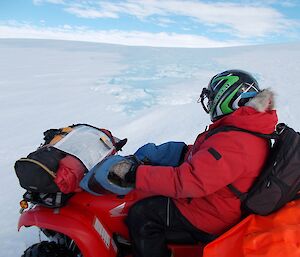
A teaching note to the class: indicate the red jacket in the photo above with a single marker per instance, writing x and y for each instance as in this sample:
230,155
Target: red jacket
204,176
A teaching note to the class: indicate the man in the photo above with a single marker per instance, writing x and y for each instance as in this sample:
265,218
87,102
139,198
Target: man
192,202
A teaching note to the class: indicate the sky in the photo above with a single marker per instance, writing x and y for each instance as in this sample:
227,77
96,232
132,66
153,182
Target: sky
165,23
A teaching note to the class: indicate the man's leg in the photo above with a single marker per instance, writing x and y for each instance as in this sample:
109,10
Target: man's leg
153,222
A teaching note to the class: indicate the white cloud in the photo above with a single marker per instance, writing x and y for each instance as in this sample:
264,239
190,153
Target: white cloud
90,13
67,27
136,38
241,20
163,22
284,3
39,2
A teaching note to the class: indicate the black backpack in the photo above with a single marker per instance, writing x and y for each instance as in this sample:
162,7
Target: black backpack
279,181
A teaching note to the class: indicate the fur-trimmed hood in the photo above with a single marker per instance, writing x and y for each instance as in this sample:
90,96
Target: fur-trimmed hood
263,101
257,115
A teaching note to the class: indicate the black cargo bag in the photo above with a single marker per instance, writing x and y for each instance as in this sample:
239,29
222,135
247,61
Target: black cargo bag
37,172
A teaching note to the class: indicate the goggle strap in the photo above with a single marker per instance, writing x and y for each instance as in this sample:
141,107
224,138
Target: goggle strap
204,94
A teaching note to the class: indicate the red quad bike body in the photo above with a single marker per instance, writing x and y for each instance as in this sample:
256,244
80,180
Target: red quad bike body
93,222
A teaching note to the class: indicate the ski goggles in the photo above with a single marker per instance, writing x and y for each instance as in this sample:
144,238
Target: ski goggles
206,99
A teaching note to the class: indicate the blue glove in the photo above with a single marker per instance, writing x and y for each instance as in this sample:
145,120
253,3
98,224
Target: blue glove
124,171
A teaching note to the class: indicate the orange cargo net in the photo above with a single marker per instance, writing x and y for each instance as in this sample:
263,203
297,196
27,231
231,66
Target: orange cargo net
276,235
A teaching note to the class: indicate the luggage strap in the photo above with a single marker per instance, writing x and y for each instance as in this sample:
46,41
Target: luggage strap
50,172
273,136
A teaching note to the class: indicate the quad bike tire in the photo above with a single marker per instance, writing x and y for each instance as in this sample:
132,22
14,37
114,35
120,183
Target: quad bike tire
47,249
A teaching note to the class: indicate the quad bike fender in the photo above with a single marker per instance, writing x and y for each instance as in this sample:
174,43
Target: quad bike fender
89,234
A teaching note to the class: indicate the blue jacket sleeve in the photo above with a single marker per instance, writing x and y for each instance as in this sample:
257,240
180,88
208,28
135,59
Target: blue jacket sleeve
167,154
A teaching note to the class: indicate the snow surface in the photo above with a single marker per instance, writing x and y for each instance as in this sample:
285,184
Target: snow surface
143,93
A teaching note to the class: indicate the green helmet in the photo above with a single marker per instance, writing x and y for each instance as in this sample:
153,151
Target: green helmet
227,91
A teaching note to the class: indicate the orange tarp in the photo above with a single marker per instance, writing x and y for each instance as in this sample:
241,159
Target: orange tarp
276,235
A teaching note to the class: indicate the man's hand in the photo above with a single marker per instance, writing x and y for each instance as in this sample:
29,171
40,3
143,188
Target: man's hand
121,168
125,169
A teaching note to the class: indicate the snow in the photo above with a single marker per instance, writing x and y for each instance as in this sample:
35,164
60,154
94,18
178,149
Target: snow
143,93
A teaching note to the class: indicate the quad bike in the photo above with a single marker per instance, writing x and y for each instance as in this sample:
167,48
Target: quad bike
93,226
88,225
85,225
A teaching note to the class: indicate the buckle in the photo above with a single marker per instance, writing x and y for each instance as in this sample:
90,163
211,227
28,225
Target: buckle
280,128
